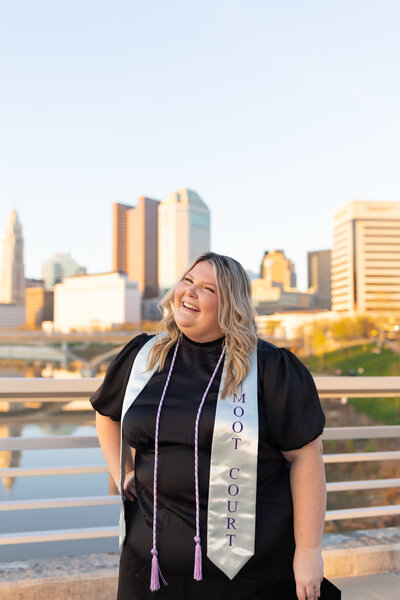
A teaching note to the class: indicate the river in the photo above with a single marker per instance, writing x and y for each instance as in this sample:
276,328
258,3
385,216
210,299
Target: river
59,486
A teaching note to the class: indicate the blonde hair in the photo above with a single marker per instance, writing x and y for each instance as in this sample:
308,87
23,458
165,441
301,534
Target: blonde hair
235,317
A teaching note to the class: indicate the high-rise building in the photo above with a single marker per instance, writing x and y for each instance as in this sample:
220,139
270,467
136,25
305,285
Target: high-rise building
275,290
39,306
319,276
277,269
366,258
120,237
12,287
58,267
135,243
183,234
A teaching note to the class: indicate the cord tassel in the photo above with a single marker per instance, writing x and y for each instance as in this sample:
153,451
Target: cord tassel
198,566
155,572
155,567
198,560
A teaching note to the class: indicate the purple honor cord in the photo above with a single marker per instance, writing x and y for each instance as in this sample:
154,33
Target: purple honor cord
155,568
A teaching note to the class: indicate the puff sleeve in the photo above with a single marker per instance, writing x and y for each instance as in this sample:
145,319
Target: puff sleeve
293,409
108,398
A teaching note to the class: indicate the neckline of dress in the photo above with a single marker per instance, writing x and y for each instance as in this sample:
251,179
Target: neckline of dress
218,342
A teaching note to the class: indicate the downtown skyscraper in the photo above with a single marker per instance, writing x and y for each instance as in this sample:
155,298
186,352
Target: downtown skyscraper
319,276
183,234
135,243
12,284
366,258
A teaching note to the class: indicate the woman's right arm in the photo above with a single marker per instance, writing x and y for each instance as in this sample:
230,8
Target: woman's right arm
109,434
108,399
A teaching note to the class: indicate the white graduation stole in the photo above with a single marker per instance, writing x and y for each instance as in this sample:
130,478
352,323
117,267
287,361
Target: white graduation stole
233,469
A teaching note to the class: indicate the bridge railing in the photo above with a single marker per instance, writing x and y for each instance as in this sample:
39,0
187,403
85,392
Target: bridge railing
65,391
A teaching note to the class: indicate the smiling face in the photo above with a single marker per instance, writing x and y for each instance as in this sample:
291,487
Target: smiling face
196,304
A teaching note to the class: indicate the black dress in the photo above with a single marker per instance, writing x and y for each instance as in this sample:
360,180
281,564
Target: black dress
290,416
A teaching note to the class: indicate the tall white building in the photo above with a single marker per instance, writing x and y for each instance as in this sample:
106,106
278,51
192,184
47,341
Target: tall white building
95,302
183,234
366,258
58,267
12,286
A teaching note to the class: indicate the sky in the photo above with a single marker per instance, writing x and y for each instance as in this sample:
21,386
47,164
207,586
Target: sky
275,113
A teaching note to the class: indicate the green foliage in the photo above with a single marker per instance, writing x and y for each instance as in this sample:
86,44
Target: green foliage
363,356
350,328
385,410
319,341
387,363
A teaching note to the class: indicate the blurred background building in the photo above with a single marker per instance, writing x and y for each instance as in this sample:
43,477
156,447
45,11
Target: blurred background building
120,237
275,290
96,302
58,267
30,283
135,243
183,234
12,275
284,326
366,258
12,316
269,299
319,276
12,285
276,268
39,304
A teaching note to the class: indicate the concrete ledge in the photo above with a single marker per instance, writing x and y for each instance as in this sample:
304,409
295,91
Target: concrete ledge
362,561
89,577
363,552
94,576
99,586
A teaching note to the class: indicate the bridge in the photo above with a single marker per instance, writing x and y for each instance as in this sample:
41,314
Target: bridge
55,347
63,354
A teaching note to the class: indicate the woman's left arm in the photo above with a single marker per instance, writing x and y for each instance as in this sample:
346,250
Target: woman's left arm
307,481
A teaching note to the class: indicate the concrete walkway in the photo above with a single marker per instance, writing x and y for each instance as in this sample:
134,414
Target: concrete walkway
382,586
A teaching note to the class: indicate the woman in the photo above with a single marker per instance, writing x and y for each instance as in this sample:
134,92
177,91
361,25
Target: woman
172,433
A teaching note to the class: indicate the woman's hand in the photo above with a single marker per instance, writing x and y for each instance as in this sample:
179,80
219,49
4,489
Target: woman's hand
129,485
308,568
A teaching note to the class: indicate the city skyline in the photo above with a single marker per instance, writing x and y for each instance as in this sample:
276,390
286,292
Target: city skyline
287,112
39,265
364,265
301,273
